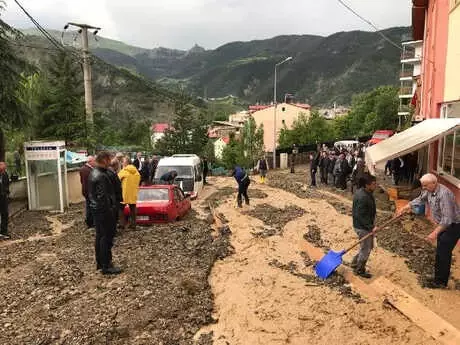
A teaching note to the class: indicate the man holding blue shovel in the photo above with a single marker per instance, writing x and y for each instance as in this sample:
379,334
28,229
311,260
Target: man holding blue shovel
364,211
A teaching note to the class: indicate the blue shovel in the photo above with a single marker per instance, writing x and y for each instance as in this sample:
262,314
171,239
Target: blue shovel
332,260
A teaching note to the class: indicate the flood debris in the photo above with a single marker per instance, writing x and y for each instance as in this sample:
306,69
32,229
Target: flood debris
313,235
52,293
274,218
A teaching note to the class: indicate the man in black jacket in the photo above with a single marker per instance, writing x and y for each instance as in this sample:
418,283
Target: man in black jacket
330,168
142,167
313,168
364,211
323,165
103,203
4,195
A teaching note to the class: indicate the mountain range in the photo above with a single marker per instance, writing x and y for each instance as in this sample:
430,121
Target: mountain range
323,69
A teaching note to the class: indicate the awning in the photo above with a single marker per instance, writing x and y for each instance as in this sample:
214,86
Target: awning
410,140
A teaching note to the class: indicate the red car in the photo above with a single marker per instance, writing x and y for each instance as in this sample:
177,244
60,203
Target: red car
380,135
160,204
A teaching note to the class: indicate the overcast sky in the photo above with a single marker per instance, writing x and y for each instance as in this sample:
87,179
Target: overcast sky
209,23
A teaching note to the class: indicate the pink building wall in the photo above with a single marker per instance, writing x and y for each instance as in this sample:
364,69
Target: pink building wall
434,65
434,57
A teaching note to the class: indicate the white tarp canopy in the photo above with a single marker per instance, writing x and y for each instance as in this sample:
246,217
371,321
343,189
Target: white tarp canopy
410,140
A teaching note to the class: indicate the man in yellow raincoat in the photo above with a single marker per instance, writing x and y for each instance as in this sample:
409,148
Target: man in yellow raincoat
130,180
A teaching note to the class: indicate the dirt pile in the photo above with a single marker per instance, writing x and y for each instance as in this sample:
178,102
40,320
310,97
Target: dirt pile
256,194
220,195
52,293
27,224
419,253
298,183
274,218
313,235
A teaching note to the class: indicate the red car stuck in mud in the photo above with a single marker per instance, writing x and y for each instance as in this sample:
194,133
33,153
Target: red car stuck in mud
160,204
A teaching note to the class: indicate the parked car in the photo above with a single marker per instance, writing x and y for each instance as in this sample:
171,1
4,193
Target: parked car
160,204
189,172
380,135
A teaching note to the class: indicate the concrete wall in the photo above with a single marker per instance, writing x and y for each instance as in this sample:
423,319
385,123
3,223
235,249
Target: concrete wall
18,189
452,82
265,117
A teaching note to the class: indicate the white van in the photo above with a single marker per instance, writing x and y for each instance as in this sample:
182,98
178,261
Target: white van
189,172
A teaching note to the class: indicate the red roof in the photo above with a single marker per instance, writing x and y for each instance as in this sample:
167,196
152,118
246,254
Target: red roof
302,105
226,140
258,107
160,127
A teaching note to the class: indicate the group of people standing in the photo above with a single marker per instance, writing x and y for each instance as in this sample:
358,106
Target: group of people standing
402,168
109,184
337,167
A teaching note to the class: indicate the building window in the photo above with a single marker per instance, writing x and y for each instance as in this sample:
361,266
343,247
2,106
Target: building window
449,146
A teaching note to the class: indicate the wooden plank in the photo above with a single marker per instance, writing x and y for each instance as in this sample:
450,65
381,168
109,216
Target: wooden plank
423,317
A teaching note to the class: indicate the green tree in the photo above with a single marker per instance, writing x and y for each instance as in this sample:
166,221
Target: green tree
233,154
252,140
307,130
369,112
11,112
30,93
63,114
188,132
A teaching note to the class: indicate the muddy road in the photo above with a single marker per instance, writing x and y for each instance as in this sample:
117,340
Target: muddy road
192,283
267,292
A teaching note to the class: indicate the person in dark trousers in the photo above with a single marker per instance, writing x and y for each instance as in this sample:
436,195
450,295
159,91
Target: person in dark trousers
388,168
142,167
323,167
243,181
411,166
205,170
104,206
313,169
364,211
169,177
446,214
397,166
153,169
357,174
330,168
4,196
341,169
262,167
112,171
85,170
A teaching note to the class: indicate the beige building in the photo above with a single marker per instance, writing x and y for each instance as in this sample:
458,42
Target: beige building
286,114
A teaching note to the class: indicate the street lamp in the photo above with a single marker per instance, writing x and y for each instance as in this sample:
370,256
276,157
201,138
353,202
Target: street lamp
274,113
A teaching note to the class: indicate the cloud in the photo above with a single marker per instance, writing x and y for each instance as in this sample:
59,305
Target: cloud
210,23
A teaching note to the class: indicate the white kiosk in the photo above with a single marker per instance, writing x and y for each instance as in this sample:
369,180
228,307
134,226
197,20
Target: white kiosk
46,175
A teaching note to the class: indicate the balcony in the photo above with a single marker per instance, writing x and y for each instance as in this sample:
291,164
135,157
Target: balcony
405,92
410,57
406,75
404,110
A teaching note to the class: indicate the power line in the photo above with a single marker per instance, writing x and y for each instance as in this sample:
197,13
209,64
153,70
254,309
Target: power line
45,33
377,29
34,47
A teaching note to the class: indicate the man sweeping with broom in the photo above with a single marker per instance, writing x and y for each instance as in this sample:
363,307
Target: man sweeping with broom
364,211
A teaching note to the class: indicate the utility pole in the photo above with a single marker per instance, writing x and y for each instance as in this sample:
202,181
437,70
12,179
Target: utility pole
87,76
